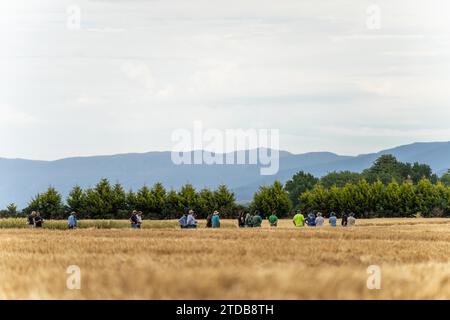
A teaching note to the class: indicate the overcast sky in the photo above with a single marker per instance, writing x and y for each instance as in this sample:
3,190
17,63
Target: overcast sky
137,70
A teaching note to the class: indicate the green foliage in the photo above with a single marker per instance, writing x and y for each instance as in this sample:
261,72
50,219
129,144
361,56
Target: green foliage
377,199
272,199
445,179
49,204
339,179
387,168
300,183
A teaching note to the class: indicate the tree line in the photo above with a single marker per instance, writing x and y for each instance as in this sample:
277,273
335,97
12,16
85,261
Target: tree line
387,188
107,201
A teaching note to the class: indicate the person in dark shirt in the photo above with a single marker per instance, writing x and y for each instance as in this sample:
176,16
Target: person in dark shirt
38,221
134,220
30,219
209,220
344,219
241,219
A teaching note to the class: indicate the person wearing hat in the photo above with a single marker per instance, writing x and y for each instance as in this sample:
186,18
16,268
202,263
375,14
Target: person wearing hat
191,222
30,219
215,221
134,219
249,220
319,220
299,219
72,221
38,220
332,220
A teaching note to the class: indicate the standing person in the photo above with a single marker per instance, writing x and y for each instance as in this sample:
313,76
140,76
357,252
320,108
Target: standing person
191,222
183,221
72,221
311,220
299,219
139,219
38,221
241,219
134,219
351,220
273,220
256,220
209,220
332,220
215,221
319,220
344,219
30,219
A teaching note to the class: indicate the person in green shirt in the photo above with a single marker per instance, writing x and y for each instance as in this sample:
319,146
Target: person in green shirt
249,221
257,220
299,219
273,220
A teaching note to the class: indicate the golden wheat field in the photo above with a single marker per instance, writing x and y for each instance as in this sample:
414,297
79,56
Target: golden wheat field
230,263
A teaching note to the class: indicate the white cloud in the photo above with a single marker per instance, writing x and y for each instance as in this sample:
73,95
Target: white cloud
139,69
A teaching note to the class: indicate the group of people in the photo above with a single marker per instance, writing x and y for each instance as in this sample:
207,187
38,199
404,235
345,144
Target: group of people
34,220
249,220
312,220
245,220
136,219
188,221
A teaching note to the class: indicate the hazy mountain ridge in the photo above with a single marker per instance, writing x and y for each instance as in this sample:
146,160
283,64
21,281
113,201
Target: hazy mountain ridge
21,179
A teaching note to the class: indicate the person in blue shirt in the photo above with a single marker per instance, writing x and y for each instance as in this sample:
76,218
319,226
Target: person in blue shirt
215,220
183,221
332,220
311,220
72,221
191,223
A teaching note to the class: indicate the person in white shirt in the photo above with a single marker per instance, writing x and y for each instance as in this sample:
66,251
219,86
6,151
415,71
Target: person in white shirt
191,222
351,220
319,220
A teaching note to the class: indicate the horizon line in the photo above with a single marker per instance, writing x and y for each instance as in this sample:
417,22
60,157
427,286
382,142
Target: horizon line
223,153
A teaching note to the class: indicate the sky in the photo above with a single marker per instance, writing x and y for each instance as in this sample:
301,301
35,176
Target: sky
348,77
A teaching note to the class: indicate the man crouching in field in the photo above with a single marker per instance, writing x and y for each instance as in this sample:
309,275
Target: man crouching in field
72,221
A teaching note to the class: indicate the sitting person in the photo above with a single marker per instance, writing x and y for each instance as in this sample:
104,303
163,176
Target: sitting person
249,221
30,219
241,219
332,220
311,220
183,221
134,219
38,221
351,220
344,219
256,221
319,220
299,219
209,220
72,221
191,222
273,220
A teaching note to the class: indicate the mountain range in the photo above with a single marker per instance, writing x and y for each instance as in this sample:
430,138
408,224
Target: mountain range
21,179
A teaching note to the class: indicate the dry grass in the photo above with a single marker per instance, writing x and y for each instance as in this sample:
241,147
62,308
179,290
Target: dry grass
282,263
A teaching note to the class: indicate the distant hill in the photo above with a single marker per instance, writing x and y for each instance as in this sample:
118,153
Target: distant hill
22,179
